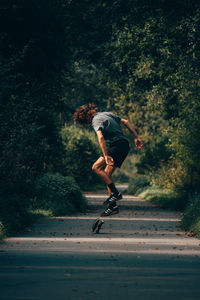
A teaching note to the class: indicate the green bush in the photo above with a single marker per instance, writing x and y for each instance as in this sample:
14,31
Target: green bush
59,194
81,152
31,77
138,184
191,219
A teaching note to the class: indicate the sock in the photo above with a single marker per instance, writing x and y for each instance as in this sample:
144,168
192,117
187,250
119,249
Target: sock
113,188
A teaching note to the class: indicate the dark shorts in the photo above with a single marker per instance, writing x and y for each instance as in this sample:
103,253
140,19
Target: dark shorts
118,151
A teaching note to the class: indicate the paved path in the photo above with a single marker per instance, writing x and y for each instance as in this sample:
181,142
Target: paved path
140,254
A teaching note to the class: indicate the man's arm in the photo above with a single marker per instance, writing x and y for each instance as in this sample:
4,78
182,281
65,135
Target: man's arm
109,160
138,141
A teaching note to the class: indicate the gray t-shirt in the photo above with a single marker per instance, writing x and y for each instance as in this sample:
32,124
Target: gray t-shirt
109,125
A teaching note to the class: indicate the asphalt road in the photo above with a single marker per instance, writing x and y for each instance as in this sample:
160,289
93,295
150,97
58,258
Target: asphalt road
142,254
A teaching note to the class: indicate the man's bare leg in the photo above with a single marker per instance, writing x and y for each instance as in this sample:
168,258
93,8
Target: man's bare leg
104,172
99,168
109,170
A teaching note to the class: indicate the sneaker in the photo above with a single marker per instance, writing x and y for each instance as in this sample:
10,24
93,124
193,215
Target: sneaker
111,210
113,198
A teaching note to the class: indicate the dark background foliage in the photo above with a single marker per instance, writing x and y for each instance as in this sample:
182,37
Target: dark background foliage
136,58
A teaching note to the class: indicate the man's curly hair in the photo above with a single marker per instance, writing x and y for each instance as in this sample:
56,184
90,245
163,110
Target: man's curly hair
85,113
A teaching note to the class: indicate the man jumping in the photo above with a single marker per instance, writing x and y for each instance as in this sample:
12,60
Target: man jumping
114,146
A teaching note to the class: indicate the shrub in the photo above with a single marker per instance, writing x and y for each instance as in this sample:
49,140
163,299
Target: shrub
172,175
81,152
191,219
138,184
58,193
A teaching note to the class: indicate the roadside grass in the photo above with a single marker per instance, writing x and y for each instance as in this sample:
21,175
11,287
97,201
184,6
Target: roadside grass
189,205
37,213
11,223
2,231
53,195
137,185
140,186
191,218
164,198
14,214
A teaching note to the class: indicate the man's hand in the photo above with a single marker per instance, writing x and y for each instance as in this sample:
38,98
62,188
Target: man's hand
138,143
109,160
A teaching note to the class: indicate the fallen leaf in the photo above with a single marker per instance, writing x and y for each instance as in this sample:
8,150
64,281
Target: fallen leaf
67,274
124,285
95,292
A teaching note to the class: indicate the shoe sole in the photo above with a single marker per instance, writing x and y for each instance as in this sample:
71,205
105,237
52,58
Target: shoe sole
95,224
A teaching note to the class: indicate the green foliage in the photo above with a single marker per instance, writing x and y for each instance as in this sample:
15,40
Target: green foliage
138,184
128,169
172,176
30,90
154,154
85,84
137,58
155,83
120,177
58,193
191,219
81,151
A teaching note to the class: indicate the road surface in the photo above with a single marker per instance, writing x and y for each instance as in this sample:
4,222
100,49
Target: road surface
142,254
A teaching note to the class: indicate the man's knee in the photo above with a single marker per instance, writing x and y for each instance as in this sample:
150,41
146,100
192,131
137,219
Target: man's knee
95,168
98,165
